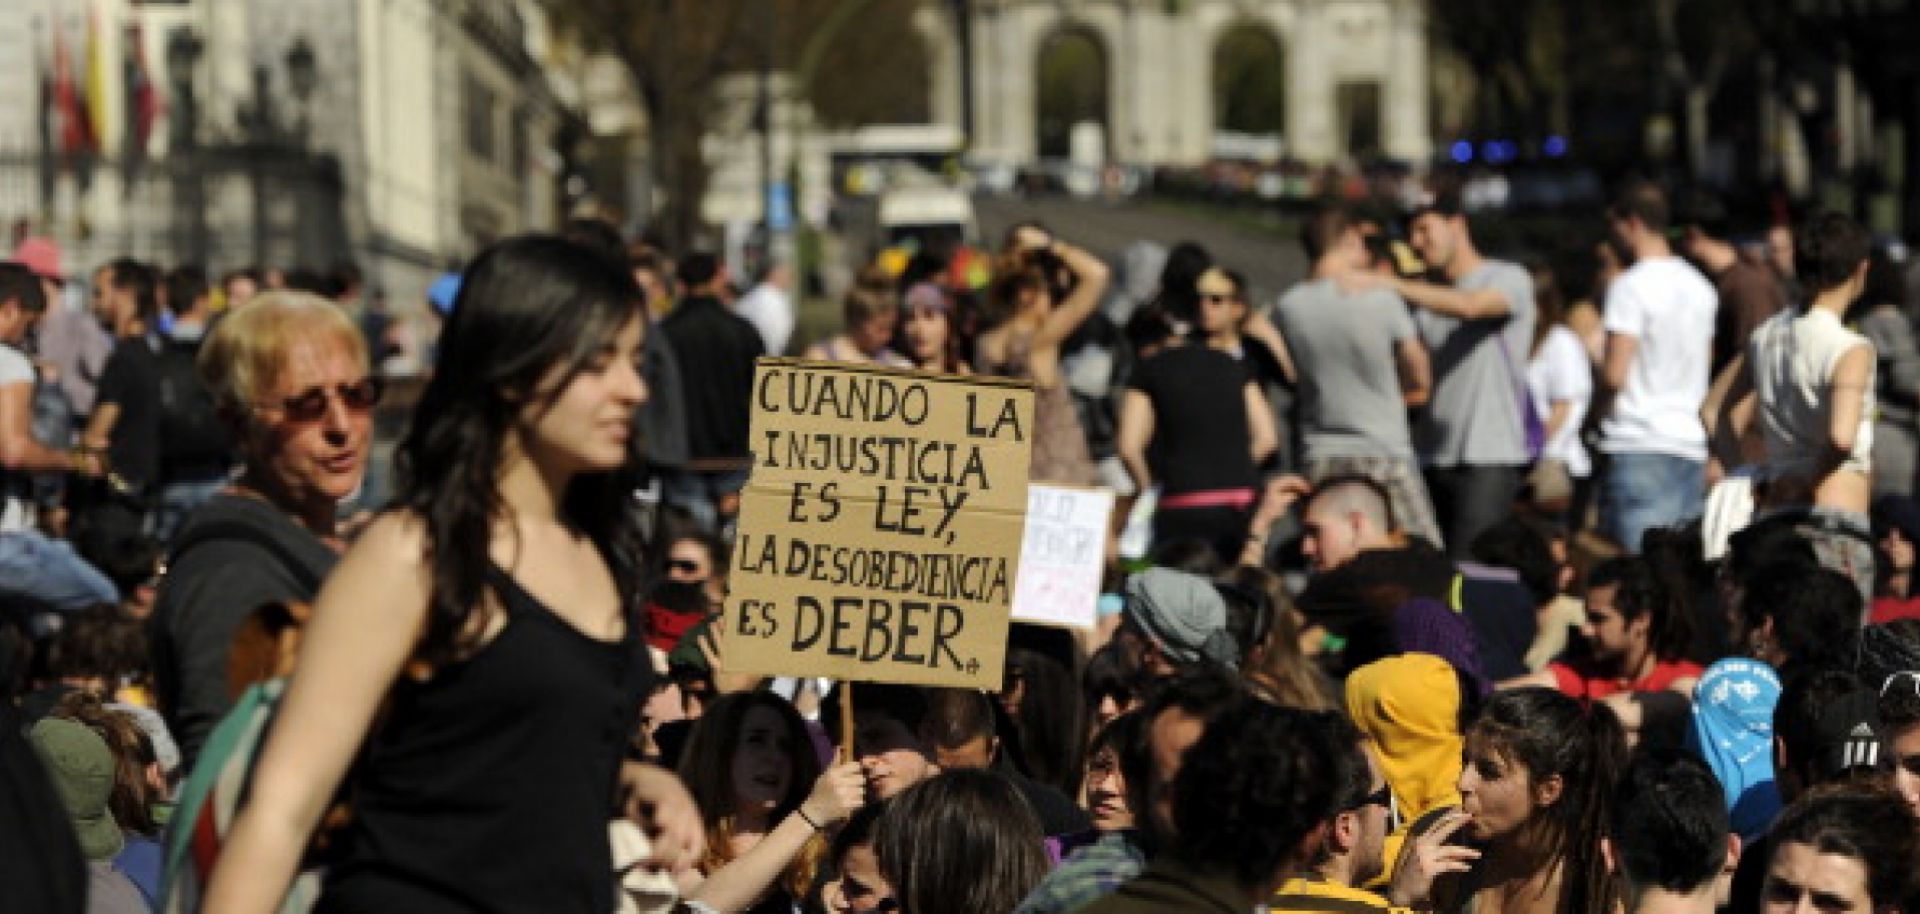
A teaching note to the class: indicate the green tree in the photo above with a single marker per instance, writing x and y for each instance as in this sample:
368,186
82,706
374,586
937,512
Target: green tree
675,51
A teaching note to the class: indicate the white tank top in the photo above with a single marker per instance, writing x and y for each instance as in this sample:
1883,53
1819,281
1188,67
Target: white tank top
1793,355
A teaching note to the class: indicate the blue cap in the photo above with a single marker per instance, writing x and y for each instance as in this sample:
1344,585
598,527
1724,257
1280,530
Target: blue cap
443,291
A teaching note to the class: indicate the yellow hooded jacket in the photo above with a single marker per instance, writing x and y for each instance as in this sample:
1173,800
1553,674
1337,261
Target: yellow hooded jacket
1409,706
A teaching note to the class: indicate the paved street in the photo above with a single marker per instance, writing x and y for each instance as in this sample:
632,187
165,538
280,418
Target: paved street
1271,262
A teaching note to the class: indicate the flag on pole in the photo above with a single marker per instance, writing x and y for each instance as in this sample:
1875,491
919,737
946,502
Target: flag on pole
68,127
143,106
96,85
49,135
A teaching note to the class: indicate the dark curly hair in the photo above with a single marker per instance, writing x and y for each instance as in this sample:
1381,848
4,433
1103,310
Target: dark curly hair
1260,779
1831,247
1550,734
1639,592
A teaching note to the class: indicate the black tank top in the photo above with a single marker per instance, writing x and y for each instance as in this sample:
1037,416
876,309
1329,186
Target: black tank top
488,787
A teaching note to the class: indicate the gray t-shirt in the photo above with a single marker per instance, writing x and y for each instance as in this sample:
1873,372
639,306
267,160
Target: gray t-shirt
1474,417
1342,345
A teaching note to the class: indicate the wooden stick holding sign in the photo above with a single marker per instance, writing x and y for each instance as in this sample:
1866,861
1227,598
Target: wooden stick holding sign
879,534
845,754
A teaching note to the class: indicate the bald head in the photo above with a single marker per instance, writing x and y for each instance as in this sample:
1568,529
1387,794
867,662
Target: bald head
1344,517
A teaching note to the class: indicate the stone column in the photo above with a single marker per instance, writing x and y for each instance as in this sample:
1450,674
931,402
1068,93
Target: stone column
1004,73
1407,131
1124,87
1310,115
1192,68
937,30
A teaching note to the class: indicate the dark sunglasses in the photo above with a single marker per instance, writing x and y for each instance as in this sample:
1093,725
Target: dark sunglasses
1381,797
687,566
1219,299
310,405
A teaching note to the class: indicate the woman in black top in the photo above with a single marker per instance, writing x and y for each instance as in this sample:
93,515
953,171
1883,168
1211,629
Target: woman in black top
1194,421
487,621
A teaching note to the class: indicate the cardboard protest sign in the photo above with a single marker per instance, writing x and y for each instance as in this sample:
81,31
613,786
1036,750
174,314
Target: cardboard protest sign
879,535
1062,555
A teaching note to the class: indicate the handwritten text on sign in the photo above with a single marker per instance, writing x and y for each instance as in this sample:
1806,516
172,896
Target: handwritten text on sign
1062,555
880,531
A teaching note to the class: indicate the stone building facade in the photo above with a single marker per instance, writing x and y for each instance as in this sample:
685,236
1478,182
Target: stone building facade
425,130
1158,57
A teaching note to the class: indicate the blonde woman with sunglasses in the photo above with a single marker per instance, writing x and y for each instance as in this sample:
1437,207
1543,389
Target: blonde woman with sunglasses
474,670
291,377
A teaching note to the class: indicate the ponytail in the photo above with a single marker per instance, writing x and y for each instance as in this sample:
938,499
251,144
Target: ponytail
1589,884
1554,735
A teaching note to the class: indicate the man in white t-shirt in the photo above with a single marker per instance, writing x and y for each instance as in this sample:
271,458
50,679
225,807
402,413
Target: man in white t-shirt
1659,320
44,572
768,306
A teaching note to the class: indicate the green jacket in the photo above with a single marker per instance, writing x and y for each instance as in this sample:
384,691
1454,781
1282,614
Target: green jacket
1171,887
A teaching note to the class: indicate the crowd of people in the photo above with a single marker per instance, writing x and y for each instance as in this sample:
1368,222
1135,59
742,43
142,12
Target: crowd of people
1465,587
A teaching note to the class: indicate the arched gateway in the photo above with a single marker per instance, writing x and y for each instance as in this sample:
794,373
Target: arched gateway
1161,95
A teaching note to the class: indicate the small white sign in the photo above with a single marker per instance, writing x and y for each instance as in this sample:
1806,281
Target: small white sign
1062,555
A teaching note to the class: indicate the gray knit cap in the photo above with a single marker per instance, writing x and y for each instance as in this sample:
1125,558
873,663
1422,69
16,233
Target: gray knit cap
1184,615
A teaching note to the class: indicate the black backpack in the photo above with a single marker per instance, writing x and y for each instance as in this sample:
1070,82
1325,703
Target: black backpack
192,436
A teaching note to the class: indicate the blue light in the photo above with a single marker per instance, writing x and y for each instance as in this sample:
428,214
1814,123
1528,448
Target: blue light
1462,152
1555,147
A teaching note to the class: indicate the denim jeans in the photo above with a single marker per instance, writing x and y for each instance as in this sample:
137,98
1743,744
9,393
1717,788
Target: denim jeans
176,501
1470,498
1647,490
48,574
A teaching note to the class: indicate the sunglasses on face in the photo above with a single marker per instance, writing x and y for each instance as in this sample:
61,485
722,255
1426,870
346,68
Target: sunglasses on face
1219,299
684,566
310,405
1381,797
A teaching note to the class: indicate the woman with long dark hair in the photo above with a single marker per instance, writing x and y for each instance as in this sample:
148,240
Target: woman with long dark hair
481,638
1535,792
764,799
